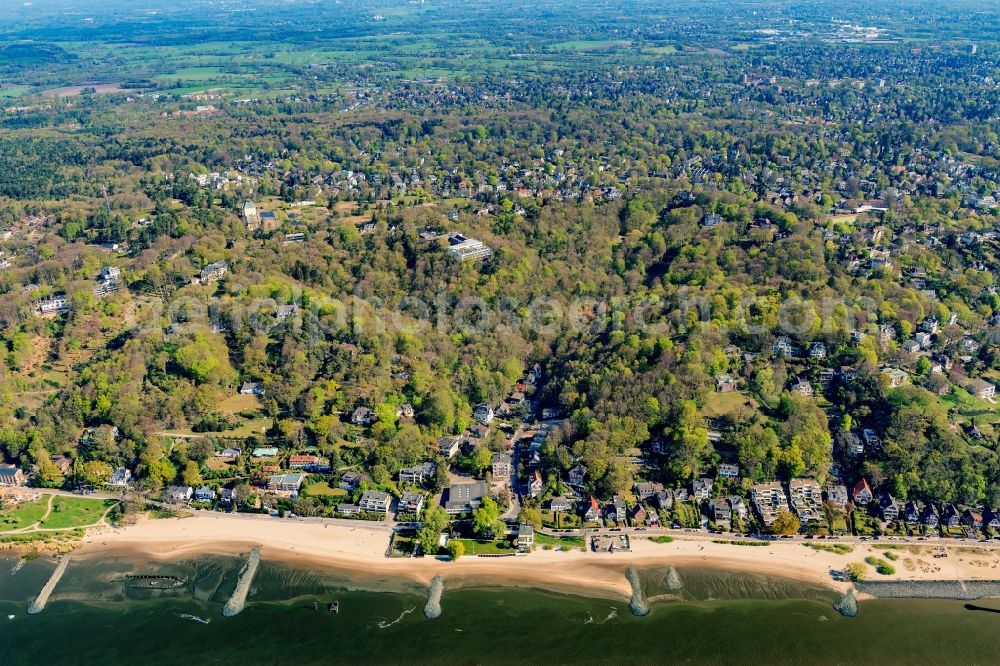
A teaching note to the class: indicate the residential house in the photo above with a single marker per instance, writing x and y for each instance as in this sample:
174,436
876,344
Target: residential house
11,475
991,518
911,512
303,461
871,439
783,346
501,464
951,516
617,511
362,416
290,482
711,220
725,383
576,475
720,510
214,271
923,339
120,478
227,496
894,377
204,494
768,499
375,501
418,474
468,248
284,312
252,388
802,387
593,511
817,350
229,453
463,497
411,502
347,510
55,305
448,446
911,346
888,507
728,471
737,506
930,517
525,537
483,413
807,500
701,489
836,494
536,485
557,504
861,493
980,388
179,493
405,411
350,480
886,334
665,500
972,519
647,490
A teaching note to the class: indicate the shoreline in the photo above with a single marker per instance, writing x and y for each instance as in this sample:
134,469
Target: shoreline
359,552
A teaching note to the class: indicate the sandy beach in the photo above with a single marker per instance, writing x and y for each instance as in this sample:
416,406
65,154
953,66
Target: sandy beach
360,551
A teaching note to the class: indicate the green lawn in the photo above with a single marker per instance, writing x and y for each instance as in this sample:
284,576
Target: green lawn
490,547
723,404
568,543
13,91
75,512
323,488
969,406
24,515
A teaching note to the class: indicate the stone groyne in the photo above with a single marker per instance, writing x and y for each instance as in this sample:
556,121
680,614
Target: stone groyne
238,601
848,605
930,589
432,609
637,605
673,580
38,604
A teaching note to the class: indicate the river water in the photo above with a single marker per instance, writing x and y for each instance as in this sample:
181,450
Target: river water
96,615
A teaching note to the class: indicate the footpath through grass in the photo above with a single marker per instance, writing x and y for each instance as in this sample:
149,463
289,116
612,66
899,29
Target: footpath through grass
68,512
24,515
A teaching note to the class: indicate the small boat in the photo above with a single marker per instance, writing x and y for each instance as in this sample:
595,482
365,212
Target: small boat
334,607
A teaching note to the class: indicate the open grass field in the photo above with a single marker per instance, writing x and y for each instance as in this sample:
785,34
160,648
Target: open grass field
591,45
13,91
566,543
25,515
970,407
322,488
70,512
236,404
723,404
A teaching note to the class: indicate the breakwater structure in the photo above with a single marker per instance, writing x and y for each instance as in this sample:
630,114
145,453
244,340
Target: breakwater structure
637,604
848,604
38,605
432,609
967,590
673,580
238,601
